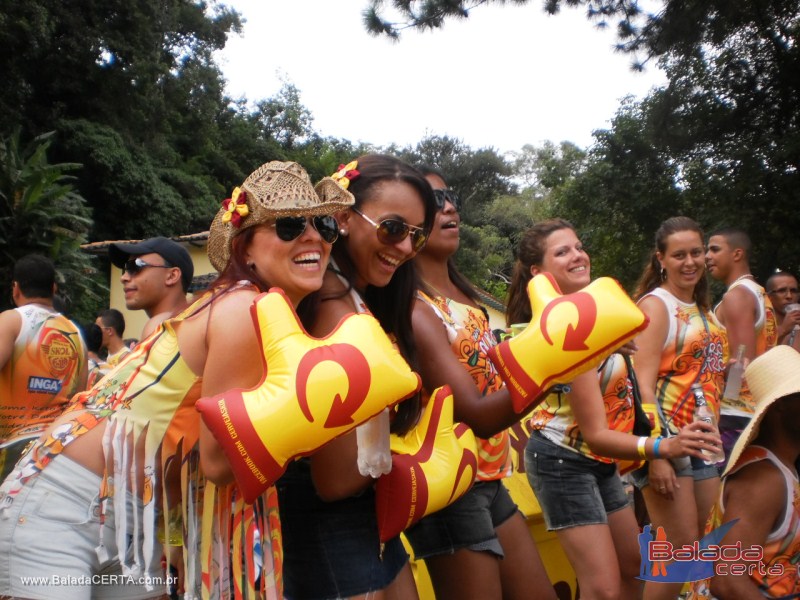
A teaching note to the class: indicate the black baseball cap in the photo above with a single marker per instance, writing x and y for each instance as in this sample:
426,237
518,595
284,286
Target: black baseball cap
172,252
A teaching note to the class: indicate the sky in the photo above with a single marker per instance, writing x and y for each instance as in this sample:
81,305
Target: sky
505,77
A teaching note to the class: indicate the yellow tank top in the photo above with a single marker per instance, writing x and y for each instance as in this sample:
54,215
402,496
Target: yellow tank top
148,403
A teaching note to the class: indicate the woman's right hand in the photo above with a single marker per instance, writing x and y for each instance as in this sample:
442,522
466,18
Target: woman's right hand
691,440
662,477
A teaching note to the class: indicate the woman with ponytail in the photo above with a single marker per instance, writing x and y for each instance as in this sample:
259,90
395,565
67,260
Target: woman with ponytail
682,347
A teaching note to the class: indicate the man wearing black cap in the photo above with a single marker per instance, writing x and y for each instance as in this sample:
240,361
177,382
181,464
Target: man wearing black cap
156,274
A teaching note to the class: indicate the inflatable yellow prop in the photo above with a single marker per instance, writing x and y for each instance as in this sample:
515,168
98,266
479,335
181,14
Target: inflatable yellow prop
567,336
314,390
433,465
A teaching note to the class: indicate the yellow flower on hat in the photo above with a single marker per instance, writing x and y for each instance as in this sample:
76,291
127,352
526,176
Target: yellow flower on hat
235,208
346,174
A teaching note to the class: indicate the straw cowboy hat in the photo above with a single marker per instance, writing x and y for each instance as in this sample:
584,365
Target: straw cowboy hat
771,376
276,189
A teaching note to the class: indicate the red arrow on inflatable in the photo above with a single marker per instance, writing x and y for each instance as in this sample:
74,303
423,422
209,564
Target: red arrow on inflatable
575,336
352,361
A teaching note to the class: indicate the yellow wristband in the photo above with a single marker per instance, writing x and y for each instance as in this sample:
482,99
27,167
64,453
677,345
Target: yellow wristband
640,447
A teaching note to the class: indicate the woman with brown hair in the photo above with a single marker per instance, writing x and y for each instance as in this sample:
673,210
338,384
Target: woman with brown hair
681,348
117,477
332,545
580,429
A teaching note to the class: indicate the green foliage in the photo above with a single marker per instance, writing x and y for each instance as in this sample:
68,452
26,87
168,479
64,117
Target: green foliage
114,62
477,175
483,257
283,118
548,166
41,213
134,95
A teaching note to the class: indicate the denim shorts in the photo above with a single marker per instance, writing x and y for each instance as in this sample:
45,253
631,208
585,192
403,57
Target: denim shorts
51,532
469,522
332,549
572,489
696,469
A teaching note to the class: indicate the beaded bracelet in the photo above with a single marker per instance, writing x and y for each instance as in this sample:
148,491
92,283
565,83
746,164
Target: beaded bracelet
640,447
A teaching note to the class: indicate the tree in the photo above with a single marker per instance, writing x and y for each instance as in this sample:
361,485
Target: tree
548,166
41,213
720,142
477,175
680,27
284,118
135,96
113,62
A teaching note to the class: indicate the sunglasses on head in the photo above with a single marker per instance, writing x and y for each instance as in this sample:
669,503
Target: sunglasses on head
291,228
447,195
134,266
394,231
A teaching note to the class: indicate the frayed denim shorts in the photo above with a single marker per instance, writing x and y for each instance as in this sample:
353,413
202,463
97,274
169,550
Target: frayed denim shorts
470,522
572,489
49,537
332,549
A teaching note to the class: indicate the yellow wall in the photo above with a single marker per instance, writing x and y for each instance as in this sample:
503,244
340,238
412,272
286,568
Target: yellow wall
136,319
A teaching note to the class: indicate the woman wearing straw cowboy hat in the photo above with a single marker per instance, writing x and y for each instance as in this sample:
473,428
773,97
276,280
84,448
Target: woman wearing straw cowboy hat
760,488
122,462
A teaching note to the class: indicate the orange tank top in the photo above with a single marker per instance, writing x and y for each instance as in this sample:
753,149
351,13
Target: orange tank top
42,374
470,337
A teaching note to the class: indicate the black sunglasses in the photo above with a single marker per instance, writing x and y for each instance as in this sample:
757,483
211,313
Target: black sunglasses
135,265
394,231
447,195
291,228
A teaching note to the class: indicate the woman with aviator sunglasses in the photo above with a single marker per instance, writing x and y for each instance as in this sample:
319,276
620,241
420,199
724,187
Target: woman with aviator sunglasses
463,544
130,461
332,547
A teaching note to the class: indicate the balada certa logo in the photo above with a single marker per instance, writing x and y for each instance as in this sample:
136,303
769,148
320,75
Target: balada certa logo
661,561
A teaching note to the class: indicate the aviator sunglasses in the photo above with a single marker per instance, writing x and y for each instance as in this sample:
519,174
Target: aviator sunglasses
394,231
447,195
291,228
134,266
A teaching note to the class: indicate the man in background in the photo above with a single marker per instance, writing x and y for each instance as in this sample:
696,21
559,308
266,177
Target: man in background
746,314
783,292
112,323
42,359
156,275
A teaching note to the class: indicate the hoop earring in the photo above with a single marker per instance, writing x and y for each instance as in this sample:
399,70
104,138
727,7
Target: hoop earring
663,274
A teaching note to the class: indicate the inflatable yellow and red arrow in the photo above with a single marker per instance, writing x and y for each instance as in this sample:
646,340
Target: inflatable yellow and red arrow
567,336
314,390
433,465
